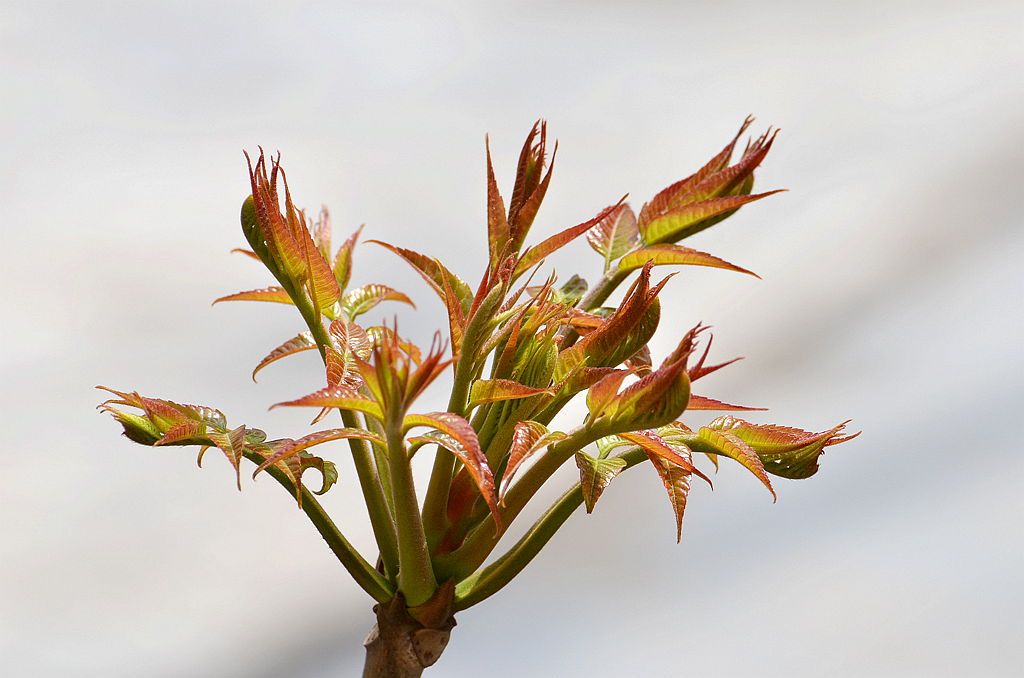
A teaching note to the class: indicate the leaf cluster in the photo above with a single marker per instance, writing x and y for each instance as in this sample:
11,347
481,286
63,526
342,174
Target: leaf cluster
517,351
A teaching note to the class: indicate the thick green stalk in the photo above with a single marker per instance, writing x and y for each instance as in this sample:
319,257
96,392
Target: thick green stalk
460,563
488,581
365,575
415,572
435,503
381,519
603,289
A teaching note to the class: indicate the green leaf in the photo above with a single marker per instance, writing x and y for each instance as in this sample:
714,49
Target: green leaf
595,474
362,299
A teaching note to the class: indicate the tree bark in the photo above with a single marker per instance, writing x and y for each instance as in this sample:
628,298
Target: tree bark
400,645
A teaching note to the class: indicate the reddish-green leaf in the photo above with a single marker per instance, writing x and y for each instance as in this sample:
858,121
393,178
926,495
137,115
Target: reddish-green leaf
699,402
248,253
654,400
656,446
232,444
322,232
493,390
676,224
595,474
630,327
297,344
676,480
675,255
362,299
341,398
320,281
498,233
528,438
542,250
276,295
189,432
289,448
615,235
343,260
671,196
729,445
434,273
784,451
601,394
465,446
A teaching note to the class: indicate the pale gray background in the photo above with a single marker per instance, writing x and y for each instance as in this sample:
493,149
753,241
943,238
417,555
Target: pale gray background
891,294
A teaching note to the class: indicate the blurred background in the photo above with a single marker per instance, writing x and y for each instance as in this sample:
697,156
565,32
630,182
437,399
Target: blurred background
891,295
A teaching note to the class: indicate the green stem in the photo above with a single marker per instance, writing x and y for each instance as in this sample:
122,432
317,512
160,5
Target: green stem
362,457
435,503
365,575
415,572
603,289
488,581
460,563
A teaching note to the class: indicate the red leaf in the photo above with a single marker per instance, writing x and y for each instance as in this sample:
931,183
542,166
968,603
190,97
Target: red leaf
784,451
